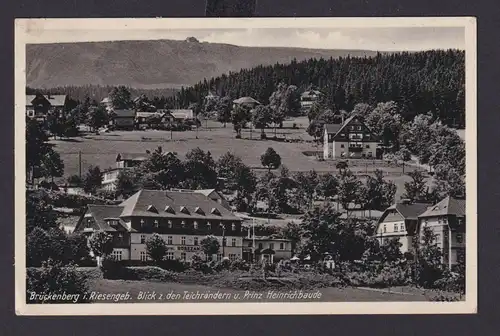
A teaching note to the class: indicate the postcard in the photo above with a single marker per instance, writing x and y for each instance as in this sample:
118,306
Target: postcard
245,166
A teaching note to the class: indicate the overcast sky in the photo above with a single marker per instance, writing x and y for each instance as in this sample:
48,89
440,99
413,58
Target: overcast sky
407,38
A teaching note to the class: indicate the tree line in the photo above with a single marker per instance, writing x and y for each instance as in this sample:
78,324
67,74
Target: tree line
420,82
96,93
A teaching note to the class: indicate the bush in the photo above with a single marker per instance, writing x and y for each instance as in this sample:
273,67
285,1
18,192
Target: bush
55,279
443,297
115,270
240,265
452,282
385,276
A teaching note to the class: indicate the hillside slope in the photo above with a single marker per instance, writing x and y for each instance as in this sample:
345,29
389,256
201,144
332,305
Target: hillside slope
152,64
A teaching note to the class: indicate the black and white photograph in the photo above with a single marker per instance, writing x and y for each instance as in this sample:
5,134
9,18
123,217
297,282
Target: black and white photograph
207,166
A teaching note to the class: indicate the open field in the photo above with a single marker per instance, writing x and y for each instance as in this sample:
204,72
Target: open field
348,294
102,149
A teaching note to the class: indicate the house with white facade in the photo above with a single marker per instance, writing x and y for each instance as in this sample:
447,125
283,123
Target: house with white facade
446,220
400,221
351,139
182,219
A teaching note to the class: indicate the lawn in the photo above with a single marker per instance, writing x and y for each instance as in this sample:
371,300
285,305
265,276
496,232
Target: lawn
101,150
348,294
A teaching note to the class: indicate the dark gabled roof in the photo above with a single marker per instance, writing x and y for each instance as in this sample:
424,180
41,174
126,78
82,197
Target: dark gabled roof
101,212
338,128
332,128
447,206
124,113
54,100
411,211
138,203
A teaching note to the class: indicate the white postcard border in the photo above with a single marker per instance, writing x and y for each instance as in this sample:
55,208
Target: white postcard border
39,31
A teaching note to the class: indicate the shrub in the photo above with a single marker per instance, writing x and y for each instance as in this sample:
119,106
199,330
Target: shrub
444,297
156,247
239,264
55,279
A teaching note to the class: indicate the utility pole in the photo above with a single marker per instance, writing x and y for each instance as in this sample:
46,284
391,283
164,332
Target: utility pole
223,240
80,164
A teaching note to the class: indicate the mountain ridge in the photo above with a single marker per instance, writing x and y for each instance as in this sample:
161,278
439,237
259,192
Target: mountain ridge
154,63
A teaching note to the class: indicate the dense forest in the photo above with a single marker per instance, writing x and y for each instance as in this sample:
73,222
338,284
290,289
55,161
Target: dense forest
99,92
420,82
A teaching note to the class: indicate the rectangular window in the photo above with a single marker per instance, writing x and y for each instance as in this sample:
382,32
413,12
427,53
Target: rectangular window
260,245
156,223
144,256
342,146
396,227
219,256
170,256
367,146
143,239
271,246
282,246
195,225
116,255
195,241
170,224
183,240
460,238
385,228
233,242
183,255
169,240
232,256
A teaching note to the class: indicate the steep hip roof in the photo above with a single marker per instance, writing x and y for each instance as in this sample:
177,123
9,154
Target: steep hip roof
138,204
448,206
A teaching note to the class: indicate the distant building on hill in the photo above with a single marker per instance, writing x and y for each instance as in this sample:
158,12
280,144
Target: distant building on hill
182,219
123,119
351,139
246,101
308,98
123,161
39,106
108,104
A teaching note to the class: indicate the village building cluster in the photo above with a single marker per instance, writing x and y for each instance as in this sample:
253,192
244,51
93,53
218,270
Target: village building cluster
184,217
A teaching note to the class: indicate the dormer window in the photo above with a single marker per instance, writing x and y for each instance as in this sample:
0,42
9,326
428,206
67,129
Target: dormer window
215,211
169,209
152,208
199,211
184,210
